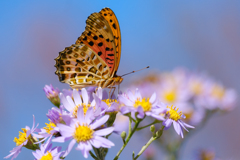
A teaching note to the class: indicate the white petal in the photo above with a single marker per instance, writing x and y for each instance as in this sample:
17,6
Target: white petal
80,115
137,94
177,127
153,98
65,131
70,101
105,142
77,97
100,121
105,131
85,96
65,102
69,148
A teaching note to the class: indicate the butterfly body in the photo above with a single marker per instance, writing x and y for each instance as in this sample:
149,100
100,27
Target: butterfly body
94,59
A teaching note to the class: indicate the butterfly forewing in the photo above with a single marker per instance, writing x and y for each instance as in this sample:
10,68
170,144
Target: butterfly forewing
109,15
98,35
94,59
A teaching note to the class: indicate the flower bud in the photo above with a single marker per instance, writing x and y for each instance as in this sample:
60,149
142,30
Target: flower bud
52,94
152,128
31,143
123,135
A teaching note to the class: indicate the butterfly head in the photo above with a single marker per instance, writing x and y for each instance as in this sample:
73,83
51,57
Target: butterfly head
118,80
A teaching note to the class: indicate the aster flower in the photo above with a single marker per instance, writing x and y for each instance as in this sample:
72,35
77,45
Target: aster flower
84,132
25,140
46,152
206,154
55,116
144,106
102,101
84,102
69,92
174,117
52,94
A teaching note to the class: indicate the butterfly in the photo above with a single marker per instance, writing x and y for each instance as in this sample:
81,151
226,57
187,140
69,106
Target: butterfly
94,59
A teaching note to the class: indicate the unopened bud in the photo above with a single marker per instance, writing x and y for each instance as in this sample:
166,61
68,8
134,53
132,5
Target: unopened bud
52,94
123,135
152,128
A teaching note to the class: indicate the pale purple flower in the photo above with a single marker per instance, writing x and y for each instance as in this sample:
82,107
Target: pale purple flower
47,152
72,105
144,106
217,97
69,92
102,101
54,114
206,154
52,94
83,132
20,143
173,117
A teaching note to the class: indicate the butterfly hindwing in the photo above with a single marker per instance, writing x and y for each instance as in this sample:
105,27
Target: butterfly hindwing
80,65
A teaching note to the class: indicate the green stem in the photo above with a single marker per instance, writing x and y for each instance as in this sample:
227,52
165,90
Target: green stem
156,121
130,133
98,154
153,138
93,155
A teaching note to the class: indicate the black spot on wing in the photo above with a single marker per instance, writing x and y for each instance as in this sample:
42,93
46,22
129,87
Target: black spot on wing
89,33
99,53
110,54
91,43
114,26
95,37
109,59
101,36
100,44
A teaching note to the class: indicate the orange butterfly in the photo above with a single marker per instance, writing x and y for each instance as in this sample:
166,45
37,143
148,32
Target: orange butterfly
94,59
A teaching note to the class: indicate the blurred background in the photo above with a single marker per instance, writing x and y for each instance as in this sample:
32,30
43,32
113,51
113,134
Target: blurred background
198,35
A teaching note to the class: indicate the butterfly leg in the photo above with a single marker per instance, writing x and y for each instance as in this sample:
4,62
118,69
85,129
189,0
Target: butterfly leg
110,97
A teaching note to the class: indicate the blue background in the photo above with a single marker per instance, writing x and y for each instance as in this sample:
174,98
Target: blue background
203,35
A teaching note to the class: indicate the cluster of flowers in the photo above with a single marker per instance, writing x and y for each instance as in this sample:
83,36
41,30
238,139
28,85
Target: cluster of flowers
87,118
193,93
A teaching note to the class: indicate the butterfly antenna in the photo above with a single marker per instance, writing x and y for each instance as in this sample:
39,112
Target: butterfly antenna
135,71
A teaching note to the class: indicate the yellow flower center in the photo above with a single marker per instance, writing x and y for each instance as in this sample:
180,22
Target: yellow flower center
85,108
49,127
207,155
218,92
196,87
109,101
145,104
22,137
173,114
47,156
170,96
83,133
